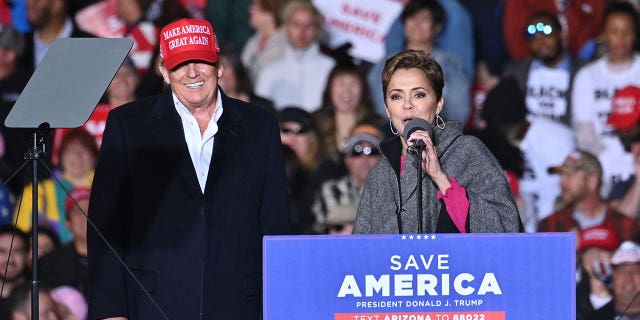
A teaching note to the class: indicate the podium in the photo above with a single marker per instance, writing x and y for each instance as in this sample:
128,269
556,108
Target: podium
434,276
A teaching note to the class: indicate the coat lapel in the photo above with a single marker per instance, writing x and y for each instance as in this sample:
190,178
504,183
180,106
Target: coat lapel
227,140
167,129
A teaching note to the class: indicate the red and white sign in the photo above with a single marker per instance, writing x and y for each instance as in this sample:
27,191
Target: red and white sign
364,23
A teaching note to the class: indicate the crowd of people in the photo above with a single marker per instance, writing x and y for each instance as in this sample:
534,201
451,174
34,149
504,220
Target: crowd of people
551,88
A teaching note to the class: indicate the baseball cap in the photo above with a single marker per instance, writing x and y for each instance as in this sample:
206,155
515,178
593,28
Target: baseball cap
628,252
295,114
578,160
354,145
79,194
601,237
625,108
188,39
10,38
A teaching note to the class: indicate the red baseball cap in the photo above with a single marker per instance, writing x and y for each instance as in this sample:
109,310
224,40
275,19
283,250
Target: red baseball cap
188,39
79,194
602,237
625,108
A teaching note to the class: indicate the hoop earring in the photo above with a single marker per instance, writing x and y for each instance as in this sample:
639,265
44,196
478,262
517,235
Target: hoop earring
395,132
440,124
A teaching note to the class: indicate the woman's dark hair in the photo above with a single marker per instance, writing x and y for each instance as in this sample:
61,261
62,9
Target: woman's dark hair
414,6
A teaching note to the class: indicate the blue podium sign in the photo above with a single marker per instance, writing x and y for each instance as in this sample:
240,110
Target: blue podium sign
419,277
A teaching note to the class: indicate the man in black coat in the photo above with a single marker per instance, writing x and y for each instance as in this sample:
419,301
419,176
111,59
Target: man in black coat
186,185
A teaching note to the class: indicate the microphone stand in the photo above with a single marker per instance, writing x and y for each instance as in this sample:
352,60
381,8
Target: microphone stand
34,154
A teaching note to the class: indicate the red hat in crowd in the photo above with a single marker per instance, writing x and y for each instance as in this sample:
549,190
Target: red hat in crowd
188,39
601,237
79,194
625,108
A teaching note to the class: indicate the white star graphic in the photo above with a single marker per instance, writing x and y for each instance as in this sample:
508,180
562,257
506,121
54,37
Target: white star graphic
411,237
419,237
404,237
433,237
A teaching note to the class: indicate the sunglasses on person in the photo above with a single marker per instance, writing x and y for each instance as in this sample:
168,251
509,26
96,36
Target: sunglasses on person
539,27
294,130
363,150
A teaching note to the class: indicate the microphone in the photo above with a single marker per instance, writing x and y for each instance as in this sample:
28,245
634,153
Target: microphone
412,126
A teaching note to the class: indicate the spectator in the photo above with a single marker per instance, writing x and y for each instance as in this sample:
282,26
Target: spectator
298,133
269,40
67,265
595,248
345,102
336,203
50,21
545,76
582,205
625,120
20,304
625,285
504,110
594,87
77,158
423,20
582,21
48,241
16,268
299,77
236,84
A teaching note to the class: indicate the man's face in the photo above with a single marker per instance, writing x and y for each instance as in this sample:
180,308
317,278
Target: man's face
619,35
546,47
18,257
39,12
360,163
626,283
195,83
574,186
301,29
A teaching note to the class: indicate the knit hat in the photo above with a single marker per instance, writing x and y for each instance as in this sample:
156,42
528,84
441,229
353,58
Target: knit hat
625,108
188,39
72,299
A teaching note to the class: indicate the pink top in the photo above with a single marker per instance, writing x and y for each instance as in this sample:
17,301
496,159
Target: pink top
455,200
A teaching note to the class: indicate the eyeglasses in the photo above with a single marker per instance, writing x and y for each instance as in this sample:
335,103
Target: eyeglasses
360,150
543,28
294,130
